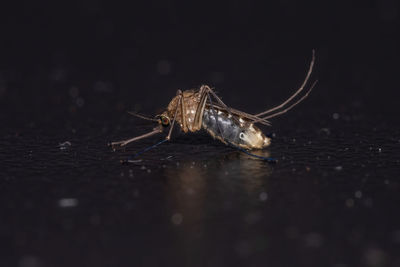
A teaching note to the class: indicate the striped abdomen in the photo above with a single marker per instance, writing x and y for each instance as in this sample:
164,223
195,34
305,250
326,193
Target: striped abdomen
238,132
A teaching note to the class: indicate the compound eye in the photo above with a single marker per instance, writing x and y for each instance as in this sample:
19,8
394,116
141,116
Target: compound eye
164,121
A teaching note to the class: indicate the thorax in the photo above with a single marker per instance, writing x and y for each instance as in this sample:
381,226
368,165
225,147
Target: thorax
190,103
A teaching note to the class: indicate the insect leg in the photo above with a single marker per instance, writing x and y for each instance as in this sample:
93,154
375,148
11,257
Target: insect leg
173,121
295,94
230,111
125,142
142,116
183,111
198,118
207,89
290,107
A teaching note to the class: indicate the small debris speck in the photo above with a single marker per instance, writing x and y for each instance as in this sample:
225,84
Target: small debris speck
358,194
335,116
177,218
65,145
263,196
327,131
67,202
134,161
338,168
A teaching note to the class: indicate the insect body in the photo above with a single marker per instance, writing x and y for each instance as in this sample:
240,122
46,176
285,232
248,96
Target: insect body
243,133
194,110
192,115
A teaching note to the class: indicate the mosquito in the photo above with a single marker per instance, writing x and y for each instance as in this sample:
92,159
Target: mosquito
194,110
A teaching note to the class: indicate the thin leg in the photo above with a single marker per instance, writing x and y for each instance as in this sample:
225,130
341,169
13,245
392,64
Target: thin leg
183,112
125,142
142,116
294,104
198,118
207,89
173,121
204,92
296,93
230,111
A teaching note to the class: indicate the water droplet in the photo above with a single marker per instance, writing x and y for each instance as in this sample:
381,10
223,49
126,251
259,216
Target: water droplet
263,196
177,218
67,202
335,116
338,168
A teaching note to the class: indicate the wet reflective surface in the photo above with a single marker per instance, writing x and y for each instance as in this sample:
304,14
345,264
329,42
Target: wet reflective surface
331,200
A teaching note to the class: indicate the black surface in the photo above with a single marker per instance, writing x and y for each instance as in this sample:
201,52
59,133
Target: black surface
68,72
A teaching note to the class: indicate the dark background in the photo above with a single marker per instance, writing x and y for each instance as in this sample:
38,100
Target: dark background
70,70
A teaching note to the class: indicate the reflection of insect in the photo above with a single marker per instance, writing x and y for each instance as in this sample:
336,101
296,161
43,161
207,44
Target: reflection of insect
194,110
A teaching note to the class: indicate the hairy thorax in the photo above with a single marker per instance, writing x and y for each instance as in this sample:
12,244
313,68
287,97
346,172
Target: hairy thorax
191,99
